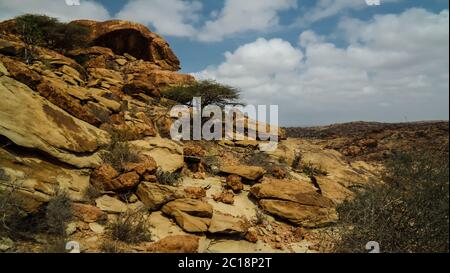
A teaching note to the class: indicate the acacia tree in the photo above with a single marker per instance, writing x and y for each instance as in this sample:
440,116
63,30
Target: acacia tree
42,30
210,91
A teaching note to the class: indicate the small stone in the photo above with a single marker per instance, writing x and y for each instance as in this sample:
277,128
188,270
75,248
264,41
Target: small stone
121,61
71,228
6,244
97,228
252,235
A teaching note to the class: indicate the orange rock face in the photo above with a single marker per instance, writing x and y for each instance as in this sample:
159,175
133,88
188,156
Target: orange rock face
132,38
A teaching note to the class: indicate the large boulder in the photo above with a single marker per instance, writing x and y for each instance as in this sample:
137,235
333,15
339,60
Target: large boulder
191,215
110,204
248,172
295,201
176,244
31,121
167,153
132,38
227,224
154,195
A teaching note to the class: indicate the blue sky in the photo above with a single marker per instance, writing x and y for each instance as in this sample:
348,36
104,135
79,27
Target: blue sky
321,61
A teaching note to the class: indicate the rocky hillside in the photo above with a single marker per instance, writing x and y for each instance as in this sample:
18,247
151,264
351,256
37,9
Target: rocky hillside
91,123
376,141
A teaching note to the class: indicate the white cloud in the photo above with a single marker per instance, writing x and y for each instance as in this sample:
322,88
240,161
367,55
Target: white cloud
169,17
58,9
393,66
239,16
328,8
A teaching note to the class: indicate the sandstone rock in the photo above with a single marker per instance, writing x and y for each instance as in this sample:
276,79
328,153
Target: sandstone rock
162,78
176,244
21,72
97,228
278,172
110,204
252,235
248,172
227,224
167,153
226,197
10,48
154,196
290,190
147,166
190,214
123,182
303,215
110,76
195,192
60,94
102,176
3,70
139,41
134,126
87,213
295,201
94,50
235,182
52,131
138,86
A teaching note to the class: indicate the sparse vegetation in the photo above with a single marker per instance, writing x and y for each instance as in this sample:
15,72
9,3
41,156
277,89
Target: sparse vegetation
11,211
58,213
91,193
130,227
168,178
119,151
109,246
42,30
260,217
210,91
312,170
409,213
296,161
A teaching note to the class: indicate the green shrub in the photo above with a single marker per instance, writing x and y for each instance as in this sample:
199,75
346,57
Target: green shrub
409,213
42,30
210,91
130,227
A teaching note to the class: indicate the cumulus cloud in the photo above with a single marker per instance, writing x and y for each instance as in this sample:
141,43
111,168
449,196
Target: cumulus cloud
169,17
241,16
393,67
58,9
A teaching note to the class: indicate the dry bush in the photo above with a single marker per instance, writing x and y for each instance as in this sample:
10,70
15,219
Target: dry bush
410,213
130,227
58,213
168,178
260,217
312,170
11,212
91,193
109,246
119,151
56,244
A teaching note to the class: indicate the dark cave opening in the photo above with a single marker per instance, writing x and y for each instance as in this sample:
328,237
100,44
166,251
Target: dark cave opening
126,41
